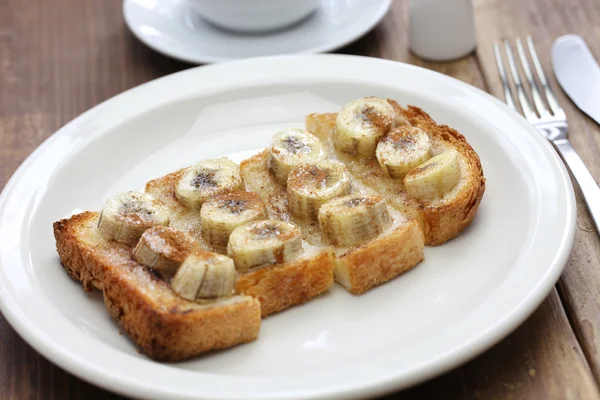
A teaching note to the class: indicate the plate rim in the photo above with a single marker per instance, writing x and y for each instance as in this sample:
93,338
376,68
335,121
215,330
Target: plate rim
208,59
463,354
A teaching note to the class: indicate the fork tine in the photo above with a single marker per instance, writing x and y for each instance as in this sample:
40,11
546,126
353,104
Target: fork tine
508,96
554,106
537,98
525,106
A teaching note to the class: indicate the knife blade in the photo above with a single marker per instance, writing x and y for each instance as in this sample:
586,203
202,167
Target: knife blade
577,73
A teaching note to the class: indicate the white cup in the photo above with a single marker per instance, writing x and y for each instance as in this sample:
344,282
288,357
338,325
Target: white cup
254,15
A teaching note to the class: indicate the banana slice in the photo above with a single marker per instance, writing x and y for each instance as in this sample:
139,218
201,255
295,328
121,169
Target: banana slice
163,249
126,216
204,275
402,150
220,216
263,243
290,148
206,180
219,279
309,186
435,177
361,123
350,220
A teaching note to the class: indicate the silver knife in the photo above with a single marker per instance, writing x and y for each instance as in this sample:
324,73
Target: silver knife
578,73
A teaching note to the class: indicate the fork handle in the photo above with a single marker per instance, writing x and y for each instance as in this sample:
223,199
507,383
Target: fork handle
585,180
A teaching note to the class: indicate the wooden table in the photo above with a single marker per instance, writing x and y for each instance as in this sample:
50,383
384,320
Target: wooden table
60,57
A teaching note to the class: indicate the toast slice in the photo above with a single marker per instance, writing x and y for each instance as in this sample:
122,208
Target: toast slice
358,268
277,286
440,220
165,326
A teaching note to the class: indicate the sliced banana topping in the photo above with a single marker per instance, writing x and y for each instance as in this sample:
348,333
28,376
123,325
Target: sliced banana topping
163,249
220,216
126,216
361,124
291,148
206,180
263,243
205,275
351,220
435,177
311,185
403,149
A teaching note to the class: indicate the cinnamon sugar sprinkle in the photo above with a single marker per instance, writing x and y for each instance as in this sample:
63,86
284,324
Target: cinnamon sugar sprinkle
262,232
295,145
135,212
167,241
266,230
362,200
237,202
234,206
309,176
373,117
205,177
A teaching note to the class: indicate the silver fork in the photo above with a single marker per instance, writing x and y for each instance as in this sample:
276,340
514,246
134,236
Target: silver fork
550,122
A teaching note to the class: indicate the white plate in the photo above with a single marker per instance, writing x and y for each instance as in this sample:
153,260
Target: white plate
173,28
466,295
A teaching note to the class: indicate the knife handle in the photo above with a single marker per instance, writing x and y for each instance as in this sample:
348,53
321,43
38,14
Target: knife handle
585,180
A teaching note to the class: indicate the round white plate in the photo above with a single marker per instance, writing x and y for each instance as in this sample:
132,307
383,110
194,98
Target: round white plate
173,28
465,296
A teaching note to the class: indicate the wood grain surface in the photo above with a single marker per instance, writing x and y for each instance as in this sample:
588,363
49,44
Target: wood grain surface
58,58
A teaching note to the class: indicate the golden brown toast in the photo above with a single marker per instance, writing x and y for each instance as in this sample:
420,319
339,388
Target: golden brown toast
165,326
357,268
440,220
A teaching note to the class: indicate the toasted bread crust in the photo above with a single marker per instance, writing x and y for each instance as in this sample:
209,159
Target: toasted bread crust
282,286
373,263
382,259
165,326
439,222
175,334
78,259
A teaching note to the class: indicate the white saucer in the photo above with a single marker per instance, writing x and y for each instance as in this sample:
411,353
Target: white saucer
173,28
